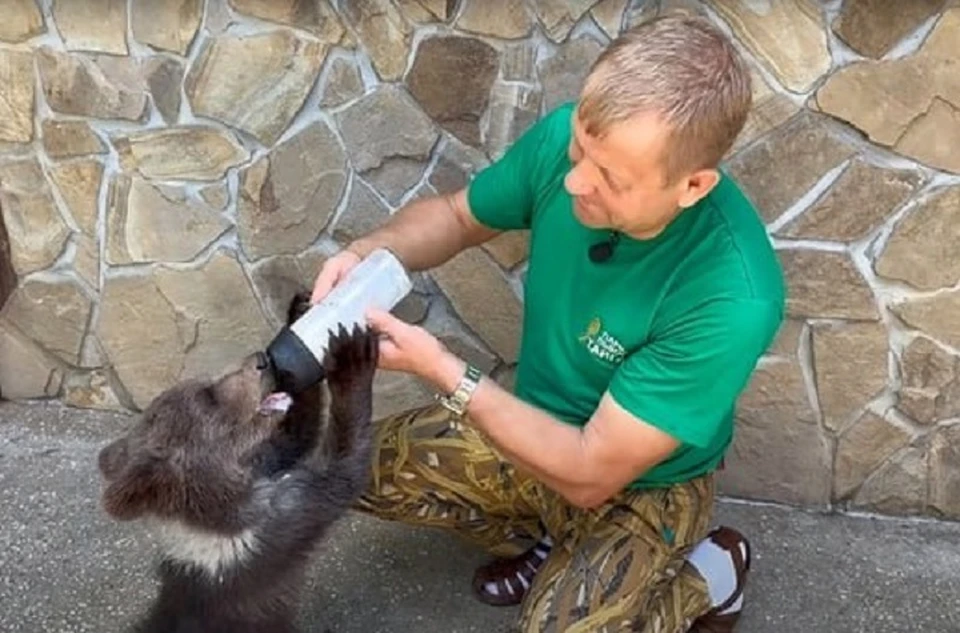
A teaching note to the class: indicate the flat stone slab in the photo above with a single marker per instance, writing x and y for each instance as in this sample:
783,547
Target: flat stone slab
64,567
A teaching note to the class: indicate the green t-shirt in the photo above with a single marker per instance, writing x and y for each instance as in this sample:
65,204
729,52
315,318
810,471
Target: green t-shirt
672,326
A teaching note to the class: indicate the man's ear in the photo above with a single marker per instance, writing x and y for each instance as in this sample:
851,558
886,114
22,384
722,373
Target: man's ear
145,484
698,184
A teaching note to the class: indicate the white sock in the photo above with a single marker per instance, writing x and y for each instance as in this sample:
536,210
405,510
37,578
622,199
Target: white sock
715,564
542,549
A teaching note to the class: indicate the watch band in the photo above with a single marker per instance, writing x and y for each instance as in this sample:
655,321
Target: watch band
458,400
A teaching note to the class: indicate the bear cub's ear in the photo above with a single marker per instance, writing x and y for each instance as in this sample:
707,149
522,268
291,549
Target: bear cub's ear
136,484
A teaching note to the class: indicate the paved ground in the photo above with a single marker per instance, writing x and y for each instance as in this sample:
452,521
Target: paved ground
64,568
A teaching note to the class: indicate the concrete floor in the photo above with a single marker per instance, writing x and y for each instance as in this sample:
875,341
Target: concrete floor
65,568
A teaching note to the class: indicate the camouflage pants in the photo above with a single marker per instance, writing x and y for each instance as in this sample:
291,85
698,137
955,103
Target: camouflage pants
619,567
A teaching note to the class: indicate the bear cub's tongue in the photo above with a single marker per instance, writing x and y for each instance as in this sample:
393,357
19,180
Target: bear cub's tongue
279,401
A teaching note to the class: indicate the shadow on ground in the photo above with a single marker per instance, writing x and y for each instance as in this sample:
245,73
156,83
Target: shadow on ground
65,568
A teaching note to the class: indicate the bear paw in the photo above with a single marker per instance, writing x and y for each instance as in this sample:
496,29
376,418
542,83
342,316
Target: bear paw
351,358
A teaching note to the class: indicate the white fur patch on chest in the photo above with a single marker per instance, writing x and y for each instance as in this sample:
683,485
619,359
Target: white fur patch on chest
211,552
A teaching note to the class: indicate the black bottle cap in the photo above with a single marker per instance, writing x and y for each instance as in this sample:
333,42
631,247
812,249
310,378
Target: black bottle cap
294,366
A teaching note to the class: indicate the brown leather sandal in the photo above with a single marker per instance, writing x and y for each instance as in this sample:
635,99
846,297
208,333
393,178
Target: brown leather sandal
714,620
510,577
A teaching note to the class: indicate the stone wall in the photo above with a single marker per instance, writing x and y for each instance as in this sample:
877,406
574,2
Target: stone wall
171,169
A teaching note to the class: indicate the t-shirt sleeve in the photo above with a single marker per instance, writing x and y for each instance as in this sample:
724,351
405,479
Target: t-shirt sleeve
503,194
689,377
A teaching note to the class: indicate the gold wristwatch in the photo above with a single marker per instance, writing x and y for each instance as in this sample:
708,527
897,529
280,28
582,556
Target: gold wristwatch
458,400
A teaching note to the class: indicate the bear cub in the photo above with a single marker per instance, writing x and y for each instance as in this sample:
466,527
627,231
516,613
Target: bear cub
234,474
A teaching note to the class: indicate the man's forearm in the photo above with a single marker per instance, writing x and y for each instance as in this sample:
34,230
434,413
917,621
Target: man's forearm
426,232
551,450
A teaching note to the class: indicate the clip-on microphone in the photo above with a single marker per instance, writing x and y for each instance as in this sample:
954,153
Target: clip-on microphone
602,251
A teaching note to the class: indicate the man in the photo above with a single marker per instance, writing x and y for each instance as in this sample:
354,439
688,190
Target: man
651,292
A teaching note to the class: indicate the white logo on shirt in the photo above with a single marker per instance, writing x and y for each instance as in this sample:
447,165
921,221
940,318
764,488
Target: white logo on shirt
601,344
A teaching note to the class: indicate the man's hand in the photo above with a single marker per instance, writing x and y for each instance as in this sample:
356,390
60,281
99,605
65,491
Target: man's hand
411,348
332,272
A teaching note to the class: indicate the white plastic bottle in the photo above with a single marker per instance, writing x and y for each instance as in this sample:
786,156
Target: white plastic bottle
297,352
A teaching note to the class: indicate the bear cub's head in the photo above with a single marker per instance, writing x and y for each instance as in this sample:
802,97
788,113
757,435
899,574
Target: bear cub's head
190,456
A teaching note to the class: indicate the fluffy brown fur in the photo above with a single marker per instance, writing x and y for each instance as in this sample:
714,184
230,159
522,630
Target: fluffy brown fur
240,488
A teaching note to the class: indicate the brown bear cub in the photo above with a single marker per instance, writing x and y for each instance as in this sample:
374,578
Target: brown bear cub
234,473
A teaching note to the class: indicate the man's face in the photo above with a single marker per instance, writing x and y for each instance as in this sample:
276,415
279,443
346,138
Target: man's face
618,181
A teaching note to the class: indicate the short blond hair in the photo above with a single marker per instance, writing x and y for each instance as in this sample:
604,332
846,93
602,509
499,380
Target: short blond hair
682,68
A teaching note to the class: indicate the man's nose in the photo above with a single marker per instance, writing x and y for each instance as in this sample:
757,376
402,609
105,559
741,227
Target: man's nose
576,183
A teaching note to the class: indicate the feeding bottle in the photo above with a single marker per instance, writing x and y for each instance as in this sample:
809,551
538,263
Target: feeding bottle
297,352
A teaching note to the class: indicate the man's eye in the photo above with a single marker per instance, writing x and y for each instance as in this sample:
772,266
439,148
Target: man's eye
611,183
